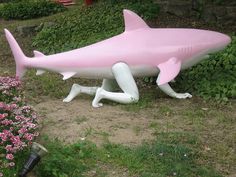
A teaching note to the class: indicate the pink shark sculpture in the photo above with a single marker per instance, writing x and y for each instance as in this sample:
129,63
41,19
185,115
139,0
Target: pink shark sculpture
139,51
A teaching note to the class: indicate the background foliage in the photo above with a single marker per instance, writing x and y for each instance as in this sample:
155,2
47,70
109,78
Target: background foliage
4,1
84,26
28,9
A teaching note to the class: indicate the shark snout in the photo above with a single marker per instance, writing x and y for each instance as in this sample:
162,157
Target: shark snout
220,41
224,40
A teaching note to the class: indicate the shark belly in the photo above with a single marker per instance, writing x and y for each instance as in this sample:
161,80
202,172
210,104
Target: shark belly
106,72
193,61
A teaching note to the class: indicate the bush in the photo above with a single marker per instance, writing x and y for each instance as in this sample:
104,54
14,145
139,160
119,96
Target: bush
214,77
18,122
28,9
84,26
4,1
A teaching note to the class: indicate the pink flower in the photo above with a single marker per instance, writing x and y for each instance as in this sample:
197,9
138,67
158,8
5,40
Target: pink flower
31,125
7,122
3,136
2,116
18,117
34,115
2,105
9,156
11,164
22,130
13,106
36,134
16,140
28,136
9,148
18,121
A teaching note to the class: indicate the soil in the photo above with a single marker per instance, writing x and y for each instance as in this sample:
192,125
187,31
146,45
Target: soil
78,120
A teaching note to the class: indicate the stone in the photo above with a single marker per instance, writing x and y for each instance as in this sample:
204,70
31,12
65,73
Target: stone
163,5
220,11
45,25
208,14
26,30
231,12
49,24
179,8
217,13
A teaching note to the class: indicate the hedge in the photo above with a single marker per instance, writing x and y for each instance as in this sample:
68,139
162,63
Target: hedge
28,9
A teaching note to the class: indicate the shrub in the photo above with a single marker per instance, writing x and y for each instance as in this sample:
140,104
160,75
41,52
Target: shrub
214,77
4,1
28,9
84,26
18,121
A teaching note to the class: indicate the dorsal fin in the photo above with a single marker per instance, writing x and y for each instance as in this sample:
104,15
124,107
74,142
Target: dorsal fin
67,75
133,21
40,72
38,54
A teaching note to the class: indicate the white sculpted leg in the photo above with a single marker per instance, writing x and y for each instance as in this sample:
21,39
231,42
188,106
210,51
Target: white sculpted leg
77,89
108,84
126,82
169,91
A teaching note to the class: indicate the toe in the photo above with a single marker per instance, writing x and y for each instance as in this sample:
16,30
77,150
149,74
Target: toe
188,95
65,100
97,105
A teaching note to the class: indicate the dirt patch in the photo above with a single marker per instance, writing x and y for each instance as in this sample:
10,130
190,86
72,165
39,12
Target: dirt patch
77,120
108,170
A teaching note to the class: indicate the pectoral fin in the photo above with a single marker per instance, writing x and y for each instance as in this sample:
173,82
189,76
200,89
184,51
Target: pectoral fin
67,75
168,70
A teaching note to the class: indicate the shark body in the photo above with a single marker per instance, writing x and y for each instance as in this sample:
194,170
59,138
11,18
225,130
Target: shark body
146,51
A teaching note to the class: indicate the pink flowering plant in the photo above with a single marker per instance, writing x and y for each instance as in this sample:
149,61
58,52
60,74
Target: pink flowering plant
18,122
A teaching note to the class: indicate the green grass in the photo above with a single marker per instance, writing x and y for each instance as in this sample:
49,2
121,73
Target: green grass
172,154
67,160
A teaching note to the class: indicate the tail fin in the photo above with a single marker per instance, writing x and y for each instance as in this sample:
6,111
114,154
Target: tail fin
18,54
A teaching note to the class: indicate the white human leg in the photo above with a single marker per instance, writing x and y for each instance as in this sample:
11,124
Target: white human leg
108,84
77,89
125,81
169,91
